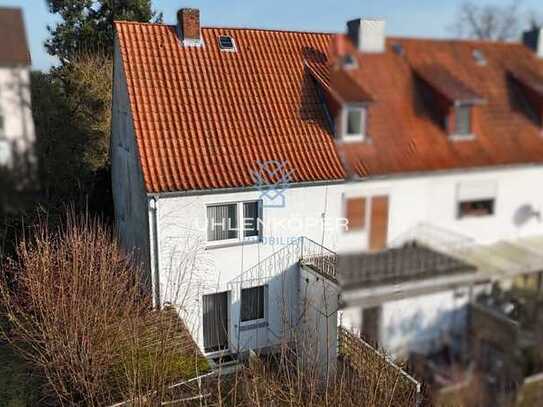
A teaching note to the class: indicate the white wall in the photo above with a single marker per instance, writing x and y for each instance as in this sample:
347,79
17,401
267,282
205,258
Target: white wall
18,135
317,327
432,199
423,323
190,267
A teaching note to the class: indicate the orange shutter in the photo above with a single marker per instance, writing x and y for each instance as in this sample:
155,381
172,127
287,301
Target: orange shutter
379,222
356,213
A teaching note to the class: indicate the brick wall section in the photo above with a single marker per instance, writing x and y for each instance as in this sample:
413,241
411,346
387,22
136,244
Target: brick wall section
189,23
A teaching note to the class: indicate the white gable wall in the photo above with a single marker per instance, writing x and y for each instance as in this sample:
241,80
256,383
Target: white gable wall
15,107
129,197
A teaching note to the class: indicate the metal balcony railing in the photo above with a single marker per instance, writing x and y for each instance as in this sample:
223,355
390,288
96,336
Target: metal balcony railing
301,250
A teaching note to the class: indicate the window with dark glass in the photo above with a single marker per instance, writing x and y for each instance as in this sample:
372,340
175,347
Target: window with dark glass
474,208
222,222
250,219
463,120
355,122
215,321
252,303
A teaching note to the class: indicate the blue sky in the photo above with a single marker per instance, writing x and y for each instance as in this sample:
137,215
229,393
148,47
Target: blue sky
418,18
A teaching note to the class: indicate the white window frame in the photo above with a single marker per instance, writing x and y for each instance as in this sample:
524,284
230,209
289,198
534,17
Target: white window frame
234,47
254,323
455,135
347,137
473,191
240,239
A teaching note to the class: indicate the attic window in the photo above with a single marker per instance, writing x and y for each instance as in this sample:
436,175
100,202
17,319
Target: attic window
463,120
226,43
398,49
354,123
479,57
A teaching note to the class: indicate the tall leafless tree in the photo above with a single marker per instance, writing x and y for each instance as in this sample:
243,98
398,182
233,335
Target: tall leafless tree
490,22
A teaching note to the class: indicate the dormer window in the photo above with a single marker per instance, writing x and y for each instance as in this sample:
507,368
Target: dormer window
463,119
452,102
354,123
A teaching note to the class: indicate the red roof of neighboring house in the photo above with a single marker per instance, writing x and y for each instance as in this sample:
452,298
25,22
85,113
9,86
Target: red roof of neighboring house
205,118
439,78
404,136
13,45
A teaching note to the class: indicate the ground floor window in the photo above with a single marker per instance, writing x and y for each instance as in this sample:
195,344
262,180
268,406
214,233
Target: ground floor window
252,303
215,321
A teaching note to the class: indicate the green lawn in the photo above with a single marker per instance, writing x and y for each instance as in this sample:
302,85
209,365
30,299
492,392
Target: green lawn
18,388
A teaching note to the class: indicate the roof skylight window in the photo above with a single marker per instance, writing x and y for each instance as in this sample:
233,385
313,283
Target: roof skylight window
226,43
479,57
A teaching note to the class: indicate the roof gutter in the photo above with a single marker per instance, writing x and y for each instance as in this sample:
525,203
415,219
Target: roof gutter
356,178
196,192
437,173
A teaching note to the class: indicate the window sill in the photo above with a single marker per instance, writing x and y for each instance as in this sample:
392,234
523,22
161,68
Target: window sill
220,244
250,325
462,137
354,138
475,217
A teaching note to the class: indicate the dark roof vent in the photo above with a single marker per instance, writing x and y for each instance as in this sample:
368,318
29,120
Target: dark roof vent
479,57
349,62
226,43
398,49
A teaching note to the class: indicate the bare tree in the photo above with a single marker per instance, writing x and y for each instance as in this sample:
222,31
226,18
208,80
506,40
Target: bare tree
78,313
488,22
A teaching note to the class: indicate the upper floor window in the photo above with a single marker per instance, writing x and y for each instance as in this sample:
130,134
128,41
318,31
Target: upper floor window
463,120
234,221
476,198
480,207
354,123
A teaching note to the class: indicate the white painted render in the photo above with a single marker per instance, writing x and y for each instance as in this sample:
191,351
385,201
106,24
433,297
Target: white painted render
190,267
319,303
432,199
17,136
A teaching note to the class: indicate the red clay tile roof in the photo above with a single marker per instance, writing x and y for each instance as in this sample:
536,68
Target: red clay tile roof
339,83
204,118
405,138
442,81
528,78
13,46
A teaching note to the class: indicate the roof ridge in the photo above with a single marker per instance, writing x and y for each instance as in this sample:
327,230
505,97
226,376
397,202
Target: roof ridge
213,27
300,31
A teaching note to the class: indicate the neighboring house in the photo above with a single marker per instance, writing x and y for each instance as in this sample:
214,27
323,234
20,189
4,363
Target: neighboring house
387,134
16,124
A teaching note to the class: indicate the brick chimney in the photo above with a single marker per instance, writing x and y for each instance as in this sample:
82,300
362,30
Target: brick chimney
533,39
368,35
188,27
